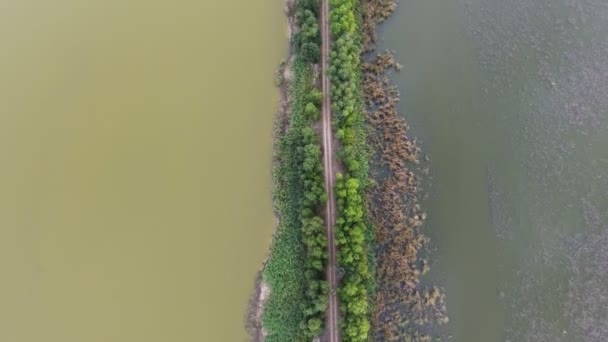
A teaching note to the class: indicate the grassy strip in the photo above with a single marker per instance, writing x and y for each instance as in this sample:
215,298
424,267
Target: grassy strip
354,234
284,270
296,308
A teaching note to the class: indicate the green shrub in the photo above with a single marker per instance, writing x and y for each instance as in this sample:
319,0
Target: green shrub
308,40
315,96
295,270
312,112
353,235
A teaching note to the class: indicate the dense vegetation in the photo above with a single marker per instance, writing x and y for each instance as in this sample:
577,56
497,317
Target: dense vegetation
285,268
353,258
314,236
307,41
354,236
364,108
295,271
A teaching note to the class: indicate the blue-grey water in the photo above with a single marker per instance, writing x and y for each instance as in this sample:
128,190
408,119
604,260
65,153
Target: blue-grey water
509,99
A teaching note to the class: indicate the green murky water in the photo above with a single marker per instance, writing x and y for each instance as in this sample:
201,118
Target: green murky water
135,150
509,100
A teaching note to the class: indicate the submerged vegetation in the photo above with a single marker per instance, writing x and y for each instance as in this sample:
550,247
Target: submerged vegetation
403,308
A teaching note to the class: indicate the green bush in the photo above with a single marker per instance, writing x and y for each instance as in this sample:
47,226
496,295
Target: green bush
353,235
295,270
308,40
316,97
286,266
313,231
311,52
312,112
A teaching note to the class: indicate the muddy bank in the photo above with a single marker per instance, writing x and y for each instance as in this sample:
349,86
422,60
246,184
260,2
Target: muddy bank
404,308
255,310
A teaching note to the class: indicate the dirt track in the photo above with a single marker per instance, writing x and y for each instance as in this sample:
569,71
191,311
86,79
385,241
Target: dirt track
332,326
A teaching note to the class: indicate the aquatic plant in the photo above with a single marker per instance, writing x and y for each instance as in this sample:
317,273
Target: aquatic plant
403,308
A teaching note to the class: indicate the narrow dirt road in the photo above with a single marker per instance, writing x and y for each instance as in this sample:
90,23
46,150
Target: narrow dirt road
333,330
